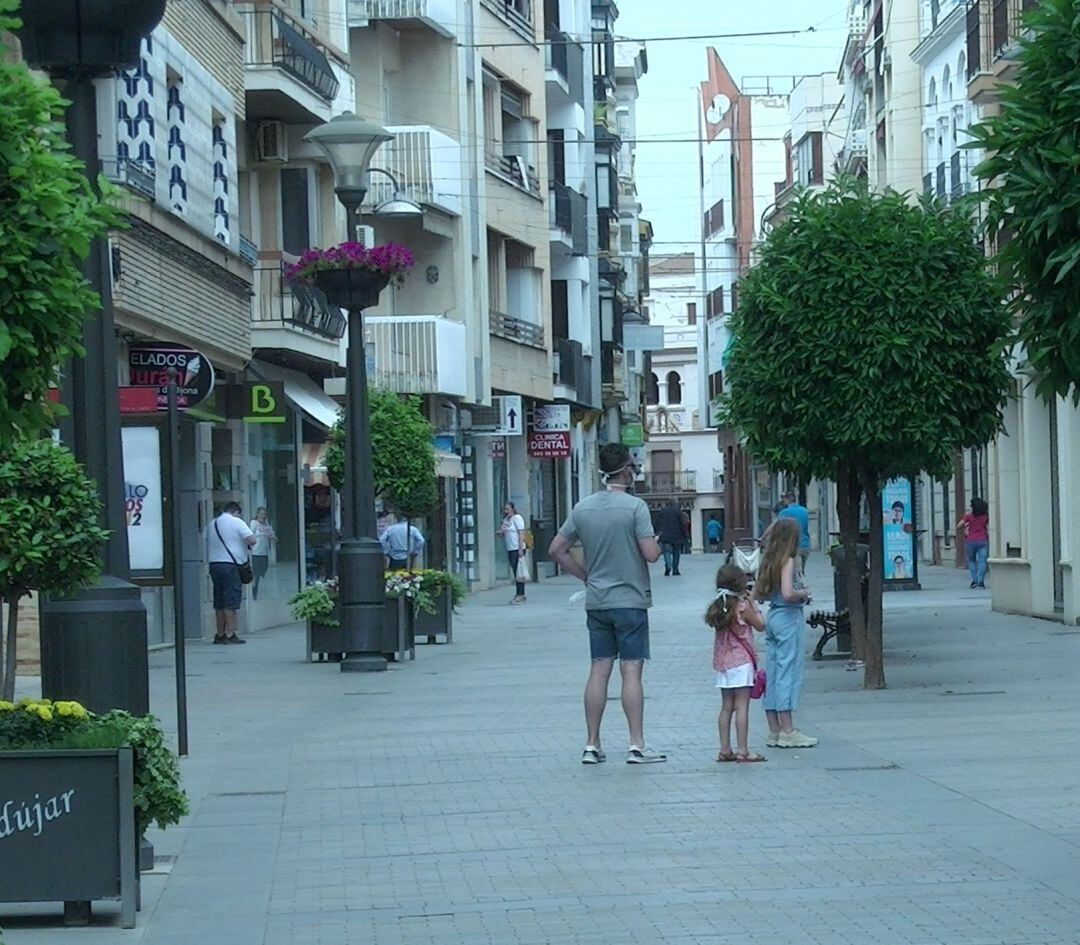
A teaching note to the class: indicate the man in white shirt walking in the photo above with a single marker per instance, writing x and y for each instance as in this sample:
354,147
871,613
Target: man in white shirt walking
228,541
401,543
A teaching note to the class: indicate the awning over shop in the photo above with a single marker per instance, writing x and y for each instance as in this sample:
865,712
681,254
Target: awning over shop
302,392
448,465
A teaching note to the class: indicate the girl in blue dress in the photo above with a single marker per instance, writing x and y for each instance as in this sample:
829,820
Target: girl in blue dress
779,581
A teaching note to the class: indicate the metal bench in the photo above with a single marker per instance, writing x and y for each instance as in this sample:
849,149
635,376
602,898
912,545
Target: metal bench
833,624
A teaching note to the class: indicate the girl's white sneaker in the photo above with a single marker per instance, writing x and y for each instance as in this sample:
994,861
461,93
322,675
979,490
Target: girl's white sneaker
773,740
795,739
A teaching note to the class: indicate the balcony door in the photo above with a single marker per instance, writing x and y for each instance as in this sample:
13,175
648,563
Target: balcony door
663,470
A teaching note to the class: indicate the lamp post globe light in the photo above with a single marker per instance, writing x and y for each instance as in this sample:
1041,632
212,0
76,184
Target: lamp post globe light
93,644
350,143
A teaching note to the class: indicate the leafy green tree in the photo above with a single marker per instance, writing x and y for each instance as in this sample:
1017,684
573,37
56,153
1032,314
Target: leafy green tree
50,540
869,343
1031,196
403,457
49,215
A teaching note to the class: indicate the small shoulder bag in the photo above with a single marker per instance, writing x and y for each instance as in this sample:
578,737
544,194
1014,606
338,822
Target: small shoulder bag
758,689
247,575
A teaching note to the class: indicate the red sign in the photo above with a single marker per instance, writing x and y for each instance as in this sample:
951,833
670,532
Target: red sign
549,445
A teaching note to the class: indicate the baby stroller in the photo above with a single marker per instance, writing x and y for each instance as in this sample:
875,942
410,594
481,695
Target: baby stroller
746,554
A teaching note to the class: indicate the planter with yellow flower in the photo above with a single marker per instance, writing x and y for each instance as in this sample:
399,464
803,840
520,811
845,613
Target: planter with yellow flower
77,790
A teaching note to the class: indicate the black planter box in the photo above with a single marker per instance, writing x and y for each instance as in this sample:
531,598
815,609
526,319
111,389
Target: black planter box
67,830
324,641
440,622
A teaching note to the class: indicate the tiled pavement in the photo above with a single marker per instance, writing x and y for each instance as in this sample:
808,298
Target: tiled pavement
443,801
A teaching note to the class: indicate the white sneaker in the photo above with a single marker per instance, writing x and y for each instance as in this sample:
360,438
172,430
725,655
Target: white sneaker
795,739
643,756
592,755
772,740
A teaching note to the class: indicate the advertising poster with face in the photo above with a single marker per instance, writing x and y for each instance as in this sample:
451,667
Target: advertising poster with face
898,530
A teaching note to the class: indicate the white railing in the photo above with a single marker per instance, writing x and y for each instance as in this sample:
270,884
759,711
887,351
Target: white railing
427,165
439,15
418,354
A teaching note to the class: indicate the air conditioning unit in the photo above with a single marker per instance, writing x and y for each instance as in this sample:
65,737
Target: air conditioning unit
365,236
270,142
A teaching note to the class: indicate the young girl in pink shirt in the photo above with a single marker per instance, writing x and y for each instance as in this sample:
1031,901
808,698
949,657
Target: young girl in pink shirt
734,617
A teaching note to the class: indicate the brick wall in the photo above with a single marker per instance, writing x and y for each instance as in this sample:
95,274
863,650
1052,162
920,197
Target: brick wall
213,34
187,296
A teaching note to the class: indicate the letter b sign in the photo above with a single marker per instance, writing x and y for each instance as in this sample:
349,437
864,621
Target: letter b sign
265,402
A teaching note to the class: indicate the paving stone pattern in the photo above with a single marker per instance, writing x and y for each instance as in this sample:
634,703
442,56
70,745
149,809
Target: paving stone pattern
444,802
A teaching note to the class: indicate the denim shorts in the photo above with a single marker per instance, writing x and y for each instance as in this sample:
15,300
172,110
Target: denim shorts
228,589
623,633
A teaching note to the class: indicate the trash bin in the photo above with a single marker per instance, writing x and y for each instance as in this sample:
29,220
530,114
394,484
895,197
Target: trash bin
838,558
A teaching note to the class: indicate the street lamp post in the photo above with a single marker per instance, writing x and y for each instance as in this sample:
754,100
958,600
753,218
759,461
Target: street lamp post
93,644
350,143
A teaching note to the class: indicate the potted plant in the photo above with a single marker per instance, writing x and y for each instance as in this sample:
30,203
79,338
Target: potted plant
317,604
446,591
50,539
352,275
77,791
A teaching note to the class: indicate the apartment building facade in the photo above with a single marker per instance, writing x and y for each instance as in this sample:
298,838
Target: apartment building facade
1034,515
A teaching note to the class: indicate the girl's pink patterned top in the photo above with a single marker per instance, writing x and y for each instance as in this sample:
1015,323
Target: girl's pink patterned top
727,651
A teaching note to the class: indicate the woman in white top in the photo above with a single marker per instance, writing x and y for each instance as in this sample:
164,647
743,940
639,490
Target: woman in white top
260,551
513,536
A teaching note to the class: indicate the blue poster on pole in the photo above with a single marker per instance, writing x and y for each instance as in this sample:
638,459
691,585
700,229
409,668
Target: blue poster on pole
898,530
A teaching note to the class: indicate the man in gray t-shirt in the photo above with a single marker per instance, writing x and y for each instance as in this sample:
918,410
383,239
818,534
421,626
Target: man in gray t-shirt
618,544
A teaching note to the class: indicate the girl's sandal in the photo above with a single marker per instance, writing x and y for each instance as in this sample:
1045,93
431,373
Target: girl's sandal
748,758
726,756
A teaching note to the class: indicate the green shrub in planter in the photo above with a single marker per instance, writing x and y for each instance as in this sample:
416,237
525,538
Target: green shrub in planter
35,725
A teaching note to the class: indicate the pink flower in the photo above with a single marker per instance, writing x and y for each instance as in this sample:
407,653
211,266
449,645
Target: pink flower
390,259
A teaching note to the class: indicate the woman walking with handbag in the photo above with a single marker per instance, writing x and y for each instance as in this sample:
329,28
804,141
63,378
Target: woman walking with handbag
779,582
734,617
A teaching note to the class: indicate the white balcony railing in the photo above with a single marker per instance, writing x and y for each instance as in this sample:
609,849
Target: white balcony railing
438,15
427,165
418,354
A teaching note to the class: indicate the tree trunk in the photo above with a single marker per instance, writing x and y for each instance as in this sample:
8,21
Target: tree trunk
848,494
11,649
875,647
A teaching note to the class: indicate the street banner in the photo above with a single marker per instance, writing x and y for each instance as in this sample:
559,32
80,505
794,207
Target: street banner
898,531
143,505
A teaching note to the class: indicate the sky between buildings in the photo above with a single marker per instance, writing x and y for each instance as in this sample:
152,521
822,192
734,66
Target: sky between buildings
667,173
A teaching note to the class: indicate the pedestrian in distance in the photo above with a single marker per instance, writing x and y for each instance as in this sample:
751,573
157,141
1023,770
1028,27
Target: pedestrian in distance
260,551
671,535
714,533
401,543
616,535
779,581
734,617
793,509
512,531
975,527
228,542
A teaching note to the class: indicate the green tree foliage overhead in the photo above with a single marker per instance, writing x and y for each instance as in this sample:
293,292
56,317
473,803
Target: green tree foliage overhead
50,540
403,457
49,216
1032,197
870,342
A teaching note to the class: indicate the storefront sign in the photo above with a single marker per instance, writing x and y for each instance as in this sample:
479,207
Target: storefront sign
898,531
551,418
632,433
143,505
148,366
549,445
498,447
262,402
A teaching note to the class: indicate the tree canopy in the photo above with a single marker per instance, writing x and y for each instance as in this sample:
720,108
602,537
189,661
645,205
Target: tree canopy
1031,194
870,343
49,216
403,457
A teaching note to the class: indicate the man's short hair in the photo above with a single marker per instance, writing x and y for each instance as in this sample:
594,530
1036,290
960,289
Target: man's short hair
898,505
613,456
231,507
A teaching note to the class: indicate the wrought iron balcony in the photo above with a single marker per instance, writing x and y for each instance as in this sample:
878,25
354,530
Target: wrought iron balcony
278,39
569,213
571,369
564,59
437,15
667,483
280,302
418,354
516,329
135,175
249,252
